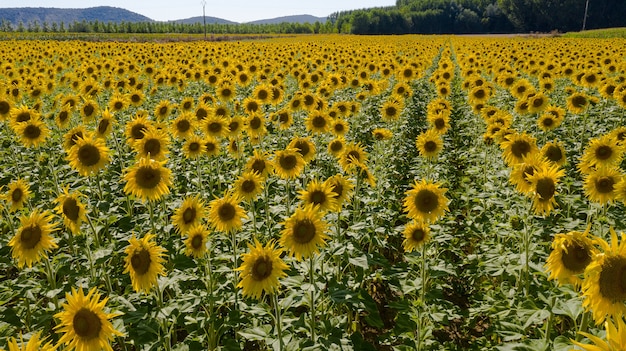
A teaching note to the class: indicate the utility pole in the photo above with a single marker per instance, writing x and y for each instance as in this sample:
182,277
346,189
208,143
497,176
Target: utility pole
204,17
585,18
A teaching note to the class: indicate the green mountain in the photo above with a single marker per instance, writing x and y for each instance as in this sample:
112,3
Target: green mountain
209,20
291,19
49,15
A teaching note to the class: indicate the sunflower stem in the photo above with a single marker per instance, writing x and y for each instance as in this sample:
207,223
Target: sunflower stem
233,239
288,191
279,329
212,337
52,280
313,288
200,183
98,181
93,230
253,211
584,325
422,302
151,211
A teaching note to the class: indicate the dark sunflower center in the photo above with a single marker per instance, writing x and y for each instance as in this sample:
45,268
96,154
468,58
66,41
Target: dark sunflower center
88,155
317,197
138,131
214,127
63,116
426,201
391,111
337,189
152,147
226,212
255,123
196,242
252,106
183,126
74,138
319,122
248,186
520,148
354,155
545,188
258,166
30,237
554,154
23,117
613,279
226,92
88,110
479,94
262,268
309,100
32,132
103,126
577,257
4,107
210,147
547,122
163,110
604,152
605,185
339,128
87,325
262,94
579,101
283,118
528,172
336,146
148,177
430,146
303,147
440,123
201,114
141,261
189,215
16,195
118,105
71,209
288,162
537,102
135,98
194,146
418,235
233,126
304,231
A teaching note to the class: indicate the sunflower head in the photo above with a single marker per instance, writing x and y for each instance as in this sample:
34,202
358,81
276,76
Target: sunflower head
571,254
148,179
288,163
225,214
32,240
88,155
189,214
195,244
261,269
304,232
425,201
415,234
144,262
248,186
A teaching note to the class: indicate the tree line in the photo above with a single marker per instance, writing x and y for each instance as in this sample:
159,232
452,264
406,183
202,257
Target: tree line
407,16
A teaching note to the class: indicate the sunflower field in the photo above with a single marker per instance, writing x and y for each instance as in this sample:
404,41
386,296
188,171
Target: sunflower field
313,193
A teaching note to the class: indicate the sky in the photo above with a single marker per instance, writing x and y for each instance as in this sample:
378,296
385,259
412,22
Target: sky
232,10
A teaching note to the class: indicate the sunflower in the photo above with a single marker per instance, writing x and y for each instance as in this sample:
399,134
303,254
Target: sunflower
236,125
615,337
284,119
105,124
304,146
248,186
352,156
317,123
33,240
263,93
189,214
154,145
391,109
71,210
136,128
537,103
88,156
5,107
571,254
304,232
255,125
84,323
195,244
194,147
89,110
425,201
429,144
416,234
554,152
260,270
288,163
32,133
339,127
260,164
183,126
225,214
521,88
36,343
341,188
63,117
212,146
602,152
18,194
619,134
215,126
439,122
148,179
517,147
577,102
550,119
479,94
336,147
601,185
320,195
544,188
603,285
382,134
144,262
118,102
163,109
225,91
22,114
521,173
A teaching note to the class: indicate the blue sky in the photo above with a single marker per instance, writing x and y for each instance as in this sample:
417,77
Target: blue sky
233,10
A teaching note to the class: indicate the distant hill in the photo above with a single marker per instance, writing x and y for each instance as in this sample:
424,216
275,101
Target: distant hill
209,20
105,14
291,19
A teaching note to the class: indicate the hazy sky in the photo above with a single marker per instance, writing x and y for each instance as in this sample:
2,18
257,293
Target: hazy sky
233,10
